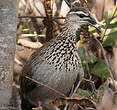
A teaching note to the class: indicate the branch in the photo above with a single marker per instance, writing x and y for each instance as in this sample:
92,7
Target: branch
58,92
30,44
41,17
104,55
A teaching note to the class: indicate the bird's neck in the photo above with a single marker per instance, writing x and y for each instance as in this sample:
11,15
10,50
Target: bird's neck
63,49
68,33
71,25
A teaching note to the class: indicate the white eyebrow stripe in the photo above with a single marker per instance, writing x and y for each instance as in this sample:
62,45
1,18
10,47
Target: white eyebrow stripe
79,12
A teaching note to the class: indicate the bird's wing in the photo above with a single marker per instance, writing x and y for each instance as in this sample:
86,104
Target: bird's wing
36,58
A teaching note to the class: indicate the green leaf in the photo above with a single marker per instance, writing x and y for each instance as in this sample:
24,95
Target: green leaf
91,58
84,93
80,51
112,13
113,25
100,69
78,35
113,34
109,41
106,17
106,86
92,29
111,38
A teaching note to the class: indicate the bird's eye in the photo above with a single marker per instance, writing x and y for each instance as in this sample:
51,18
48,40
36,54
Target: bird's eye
81,15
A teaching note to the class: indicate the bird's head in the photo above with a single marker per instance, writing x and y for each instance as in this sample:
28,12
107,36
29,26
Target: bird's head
79,16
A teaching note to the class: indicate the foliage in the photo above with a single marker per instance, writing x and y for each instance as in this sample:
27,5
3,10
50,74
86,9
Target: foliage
84,93
108,37
89,57
100,69
109,29
111,25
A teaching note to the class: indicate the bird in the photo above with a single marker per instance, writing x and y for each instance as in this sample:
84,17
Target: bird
56,64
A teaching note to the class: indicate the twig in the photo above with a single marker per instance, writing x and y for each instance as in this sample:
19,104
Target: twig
31,35
72,94
18,62
31,17
87,66
81,107
58,92
68,3
92,84
97,29
41,17
104,55
30,44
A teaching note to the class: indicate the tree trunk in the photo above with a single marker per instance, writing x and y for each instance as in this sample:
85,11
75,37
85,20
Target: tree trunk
8,23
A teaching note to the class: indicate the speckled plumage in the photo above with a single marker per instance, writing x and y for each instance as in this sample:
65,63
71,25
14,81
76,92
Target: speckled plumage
57,64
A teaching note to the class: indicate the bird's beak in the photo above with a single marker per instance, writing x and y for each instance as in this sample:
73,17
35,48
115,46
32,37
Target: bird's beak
92,20
92,23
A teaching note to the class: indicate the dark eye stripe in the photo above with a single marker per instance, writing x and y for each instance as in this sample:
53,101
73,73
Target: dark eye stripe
81,15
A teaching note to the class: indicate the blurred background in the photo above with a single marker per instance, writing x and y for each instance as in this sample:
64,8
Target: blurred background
40,20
